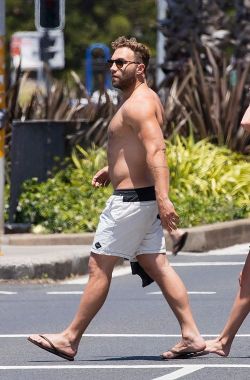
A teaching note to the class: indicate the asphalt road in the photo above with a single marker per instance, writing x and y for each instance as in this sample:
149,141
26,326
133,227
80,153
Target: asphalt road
132,329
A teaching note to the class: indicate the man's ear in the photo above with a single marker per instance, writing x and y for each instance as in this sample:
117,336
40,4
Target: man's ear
141,69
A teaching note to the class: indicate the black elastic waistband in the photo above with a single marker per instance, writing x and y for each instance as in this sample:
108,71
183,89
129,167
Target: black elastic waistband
137,195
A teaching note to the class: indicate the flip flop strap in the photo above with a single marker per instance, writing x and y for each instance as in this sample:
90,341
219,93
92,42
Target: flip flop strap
47,340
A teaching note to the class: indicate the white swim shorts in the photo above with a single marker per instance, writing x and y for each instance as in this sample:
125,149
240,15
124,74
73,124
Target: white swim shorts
130,225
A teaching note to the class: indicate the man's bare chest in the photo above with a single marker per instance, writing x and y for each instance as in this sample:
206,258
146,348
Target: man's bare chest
118,127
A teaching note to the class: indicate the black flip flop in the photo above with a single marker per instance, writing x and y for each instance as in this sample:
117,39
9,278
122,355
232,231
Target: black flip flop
185,355
179,244
52,350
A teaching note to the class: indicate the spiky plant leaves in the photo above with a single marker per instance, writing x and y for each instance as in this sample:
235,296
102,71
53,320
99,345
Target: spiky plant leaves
209,101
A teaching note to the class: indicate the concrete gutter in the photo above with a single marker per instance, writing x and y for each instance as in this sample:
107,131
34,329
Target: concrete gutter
57,256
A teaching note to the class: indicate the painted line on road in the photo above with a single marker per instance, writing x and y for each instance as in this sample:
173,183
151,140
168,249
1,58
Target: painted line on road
126,335
64,292
150,293
123,271
212,253
205,293
122,366
4,292
208,263
127,270
189,292
180,373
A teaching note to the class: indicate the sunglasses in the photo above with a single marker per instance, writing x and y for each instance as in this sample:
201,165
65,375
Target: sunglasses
119,62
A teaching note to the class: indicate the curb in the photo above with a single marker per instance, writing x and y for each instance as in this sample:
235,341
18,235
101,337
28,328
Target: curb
58,266
200,239
218,235
57,269
51,239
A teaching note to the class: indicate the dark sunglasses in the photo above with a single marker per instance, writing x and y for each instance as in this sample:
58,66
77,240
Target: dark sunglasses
119,62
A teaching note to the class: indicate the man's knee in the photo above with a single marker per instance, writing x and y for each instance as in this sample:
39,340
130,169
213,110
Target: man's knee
156,267
100,266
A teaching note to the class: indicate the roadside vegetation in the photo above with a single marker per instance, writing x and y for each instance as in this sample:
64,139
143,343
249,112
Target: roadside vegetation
208,184
204,94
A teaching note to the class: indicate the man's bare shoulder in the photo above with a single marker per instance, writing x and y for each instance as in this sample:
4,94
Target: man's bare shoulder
141,105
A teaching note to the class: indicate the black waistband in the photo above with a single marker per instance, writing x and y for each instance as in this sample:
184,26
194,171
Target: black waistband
137,195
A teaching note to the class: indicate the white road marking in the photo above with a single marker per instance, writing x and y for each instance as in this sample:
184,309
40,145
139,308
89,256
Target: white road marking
180,373
191,292
238,249
122,366
208,263
151,293
126,335
4,292
62,293
123,271
212,253
201,292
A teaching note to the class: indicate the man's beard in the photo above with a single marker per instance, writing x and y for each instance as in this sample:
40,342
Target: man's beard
125,83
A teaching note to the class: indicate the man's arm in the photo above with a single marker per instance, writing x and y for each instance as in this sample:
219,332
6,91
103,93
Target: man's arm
245,122
101,178
147,127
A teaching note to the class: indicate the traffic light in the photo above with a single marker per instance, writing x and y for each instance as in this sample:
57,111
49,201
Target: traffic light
46,47
49,14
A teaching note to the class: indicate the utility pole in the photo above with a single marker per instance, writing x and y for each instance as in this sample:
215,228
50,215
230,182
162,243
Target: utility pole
2,116
160,44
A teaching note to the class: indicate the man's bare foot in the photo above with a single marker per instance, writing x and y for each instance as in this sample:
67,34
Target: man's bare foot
56,344
216,346
184,348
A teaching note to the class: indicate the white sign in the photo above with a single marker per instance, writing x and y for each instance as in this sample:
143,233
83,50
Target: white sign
25,50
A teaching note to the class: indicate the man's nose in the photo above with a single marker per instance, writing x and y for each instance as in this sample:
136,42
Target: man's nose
113,68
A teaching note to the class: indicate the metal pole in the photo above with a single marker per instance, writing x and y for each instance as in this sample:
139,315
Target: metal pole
2,116
160,48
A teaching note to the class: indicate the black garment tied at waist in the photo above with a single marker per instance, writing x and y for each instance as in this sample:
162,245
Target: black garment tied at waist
142,194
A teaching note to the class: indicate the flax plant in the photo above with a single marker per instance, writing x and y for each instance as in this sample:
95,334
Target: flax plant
211,98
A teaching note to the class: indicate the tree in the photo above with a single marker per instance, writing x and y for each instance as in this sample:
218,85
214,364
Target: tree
88,21
223,25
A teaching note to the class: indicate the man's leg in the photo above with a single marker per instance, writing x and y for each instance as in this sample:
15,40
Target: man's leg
173,289
94,296
241,308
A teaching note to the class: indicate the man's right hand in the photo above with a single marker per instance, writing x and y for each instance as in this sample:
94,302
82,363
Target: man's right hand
101,178
168,215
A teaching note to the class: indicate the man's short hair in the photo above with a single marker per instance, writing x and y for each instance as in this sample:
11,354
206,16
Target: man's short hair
141,51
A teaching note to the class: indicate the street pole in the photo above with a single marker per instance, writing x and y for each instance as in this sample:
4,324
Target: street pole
2,116
160,43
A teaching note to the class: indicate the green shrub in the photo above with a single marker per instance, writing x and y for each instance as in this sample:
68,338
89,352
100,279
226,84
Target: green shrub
67,202
208,184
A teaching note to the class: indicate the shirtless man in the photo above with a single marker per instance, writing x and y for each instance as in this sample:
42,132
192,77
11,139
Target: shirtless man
131,224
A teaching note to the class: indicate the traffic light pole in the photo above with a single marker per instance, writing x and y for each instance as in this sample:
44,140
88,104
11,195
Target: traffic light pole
2,116
49,15
44,44
162,7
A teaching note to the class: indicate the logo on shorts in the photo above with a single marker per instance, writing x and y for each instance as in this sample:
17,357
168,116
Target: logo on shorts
98,245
